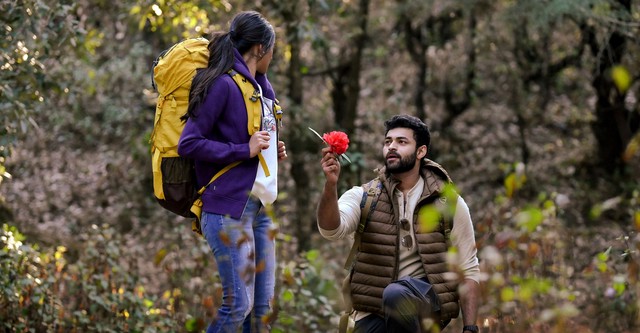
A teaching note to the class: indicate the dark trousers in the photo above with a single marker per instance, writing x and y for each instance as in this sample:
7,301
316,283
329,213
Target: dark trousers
405,303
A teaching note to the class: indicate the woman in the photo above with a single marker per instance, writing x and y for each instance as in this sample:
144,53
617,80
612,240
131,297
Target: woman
216,135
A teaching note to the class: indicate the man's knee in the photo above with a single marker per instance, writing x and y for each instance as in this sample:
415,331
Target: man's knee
394,293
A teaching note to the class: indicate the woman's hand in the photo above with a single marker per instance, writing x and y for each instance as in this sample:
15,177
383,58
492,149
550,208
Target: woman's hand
330,165
282,151
258,142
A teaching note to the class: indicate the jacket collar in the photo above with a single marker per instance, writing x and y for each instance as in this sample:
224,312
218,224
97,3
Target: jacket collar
241,67
435,177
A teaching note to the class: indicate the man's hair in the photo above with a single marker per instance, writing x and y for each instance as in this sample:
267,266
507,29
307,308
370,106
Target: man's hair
420,129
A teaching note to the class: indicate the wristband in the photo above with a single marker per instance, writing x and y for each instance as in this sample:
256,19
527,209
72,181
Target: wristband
470,328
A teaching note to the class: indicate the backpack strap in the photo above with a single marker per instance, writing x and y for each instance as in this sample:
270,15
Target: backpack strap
368,203
446,221
196,208
253,102
252,97
277,111
442,173
447,224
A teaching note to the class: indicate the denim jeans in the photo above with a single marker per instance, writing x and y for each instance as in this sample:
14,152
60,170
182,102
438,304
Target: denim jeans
405,302
245,254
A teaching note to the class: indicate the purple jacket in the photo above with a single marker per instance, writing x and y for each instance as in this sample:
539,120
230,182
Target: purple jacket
218,136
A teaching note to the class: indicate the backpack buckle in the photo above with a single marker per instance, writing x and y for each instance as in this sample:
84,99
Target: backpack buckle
255,96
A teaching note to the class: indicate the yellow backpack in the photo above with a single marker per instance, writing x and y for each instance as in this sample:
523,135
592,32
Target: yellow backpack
174,180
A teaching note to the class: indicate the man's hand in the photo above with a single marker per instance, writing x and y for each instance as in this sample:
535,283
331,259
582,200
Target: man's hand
330,166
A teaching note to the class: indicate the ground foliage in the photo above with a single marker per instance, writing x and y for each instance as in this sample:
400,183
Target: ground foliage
516,92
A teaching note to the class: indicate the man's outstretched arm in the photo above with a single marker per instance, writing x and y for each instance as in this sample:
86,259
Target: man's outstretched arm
328,212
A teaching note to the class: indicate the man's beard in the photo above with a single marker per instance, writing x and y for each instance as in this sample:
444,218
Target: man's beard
403,165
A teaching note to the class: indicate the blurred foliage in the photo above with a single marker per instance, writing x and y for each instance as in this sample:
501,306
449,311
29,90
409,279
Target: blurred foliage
307,299
528,261
85,247
180,19
31,35
43,292
534,263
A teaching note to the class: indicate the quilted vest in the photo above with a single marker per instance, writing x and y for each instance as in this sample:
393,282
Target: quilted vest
376,264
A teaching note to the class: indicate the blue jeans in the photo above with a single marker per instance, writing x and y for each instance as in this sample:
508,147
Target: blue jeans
405,302
245,255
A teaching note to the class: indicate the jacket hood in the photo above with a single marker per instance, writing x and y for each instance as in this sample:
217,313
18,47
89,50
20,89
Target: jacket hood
241,67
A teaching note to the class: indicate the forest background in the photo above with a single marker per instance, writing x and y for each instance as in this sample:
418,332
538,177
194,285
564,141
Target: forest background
533,107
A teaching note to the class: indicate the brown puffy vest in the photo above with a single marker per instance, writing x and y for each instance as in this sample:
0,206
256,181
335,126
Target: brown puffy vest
376,264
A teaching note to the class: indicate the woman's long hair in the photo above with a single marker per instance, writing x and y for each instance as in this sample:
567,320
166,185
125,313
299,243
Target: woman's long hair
247,29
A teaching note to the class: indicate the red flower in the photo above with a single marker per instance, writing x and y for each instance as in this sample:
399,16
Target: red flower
338,141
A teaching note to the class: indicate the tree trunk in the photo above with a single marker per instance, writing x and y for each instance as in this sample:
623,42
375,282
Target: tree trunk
355,66
612,128
417,43
457,106
303,219
421,87
345,93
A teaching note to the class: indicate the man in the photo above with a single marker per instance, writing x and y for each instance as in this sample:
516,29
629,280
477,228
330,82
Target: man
399,260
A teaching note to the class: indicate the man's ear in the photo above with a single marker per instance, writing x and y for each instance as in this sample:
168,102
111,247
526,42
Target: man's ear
422,152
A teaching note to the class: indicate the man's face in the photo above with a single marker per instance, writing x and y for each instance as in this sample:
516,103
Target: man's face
400,151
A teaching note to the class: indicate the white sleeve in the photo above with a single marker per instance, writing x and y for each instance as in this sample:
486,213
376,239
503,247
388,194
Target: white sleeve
463,239
349,205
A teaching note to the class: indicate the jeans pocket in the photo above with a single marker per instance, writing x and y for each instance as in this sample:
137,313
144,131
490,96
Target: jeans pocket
204,221
210,224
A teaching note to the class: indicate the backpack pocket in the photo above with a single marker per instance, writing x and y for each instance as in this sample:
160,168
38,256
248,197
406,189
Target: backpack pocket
178,184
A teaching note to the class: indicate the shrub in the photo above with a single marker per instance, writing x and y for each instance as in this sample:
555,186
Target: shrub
41,292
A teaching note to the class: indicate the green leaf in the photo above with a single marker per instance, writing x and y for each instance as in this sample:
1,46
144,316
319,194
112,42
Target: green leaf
604,256
191,325
147,303
510,185
507,294
160,255
525,293
621,78
632,148
312,255
288,296
428,218
530,219
619,286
